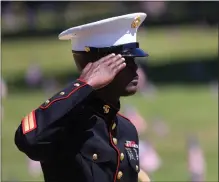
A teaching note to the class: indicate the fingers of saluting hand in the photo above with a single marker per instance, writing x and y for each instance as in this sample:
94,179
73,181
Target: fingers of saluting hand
106,58
117,63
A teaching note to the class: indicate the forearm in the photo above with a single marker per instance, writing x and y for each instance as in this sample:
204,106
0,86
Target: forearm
41,131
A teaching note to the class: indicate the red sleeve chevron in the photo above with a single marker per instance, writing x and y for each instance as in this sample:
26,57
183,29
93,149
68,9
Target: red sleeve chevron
29,122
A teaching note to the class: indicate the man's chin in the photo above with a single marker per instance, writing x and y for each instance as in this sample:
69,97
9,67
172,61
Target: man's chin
130,90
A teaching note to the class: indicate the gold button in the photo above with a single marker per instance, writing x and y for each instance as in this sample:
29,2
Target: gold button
87,49
115,141
106,109
114,126
136,167
77,84
47,102
62,93
119,175
122,156
95,157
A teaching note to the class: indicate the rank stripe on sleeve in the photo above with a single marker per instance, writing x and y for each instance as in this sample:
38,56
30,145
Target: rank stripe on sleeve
25,124
29,122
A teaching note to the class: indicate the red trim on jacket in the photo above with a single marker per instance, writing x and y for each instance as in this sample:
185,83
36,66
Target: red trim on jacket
81,80
124,117
118,158
67,96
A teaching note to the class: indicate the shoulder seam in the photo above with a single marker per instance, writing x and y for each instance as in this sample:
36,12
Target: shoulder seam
119,114
123,116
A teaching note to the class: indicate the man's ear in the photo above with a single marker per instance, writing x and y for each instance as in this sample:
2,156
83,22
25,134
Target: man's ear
80,61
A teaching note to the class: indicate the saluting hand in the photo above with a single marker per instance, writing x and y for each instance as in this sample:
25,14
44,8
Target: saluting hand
100,73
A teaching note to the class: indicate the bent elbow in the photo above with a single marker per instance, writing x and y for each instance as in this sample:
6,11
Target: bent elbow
25,146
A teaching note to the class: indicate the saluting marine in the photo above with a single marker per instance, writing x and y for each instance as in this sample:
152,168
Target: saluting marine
78,135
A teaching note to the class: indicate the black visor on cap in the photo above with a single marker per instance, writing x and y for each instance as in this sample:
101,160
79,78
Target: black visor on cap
126,50
137,52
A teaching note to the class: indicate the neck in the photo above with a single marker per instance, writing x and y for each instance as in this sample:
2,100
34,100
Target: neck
109,97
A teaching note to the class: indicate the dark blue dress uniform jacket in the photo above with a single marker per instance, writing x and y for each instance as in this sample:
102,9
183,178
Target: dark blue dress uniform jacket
80,138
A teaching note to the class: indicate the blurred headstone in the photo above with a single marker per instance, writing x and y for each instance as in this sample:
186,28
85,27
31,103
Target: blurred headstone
4,93
34,75
214,88
149,158
4,89
134,116
196,160
34,168
160,127
154,8
145,88
50,86
14,17
9,18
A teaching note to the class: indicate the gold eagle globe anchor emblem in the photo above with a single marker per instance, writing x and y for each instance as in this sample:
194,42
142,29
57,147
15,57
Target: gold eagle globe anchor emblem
106,109
136,22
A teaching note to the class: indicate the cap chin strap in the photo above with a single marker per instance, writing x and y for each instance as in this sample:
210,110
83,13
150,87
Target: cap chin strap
124,48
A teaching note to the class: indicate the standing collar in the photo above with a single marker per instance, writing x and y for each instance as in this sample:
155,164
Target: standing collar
105,109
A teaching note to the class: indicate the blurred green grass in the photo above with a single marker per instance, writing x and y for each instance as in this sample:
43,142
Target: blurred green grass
164,45
185,109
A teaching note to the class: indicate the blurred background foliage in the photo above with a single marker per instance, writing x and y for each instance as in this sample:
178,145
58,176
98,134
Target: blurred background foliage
174,32
182,41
